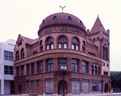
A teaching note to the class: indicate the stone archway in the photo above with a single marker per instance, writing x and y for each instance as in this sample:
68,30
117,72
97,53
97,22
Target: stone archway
62,87
106,89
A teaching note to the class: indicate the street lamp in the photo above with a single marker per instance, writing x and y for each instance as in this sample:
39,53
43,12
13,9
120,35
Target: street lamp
63,70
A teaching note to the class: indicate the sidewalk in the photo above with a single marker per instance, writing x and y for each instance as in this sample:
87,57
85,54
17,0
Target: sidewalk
91,94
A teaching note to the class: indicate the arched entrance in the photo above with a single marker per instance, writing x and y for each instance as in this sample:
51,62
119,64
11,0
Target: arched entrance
106,87
62,87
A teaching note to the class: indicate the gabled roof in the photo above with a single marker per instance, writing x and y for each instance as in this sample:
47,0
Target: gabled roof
98,26
28,40
25,39
90,42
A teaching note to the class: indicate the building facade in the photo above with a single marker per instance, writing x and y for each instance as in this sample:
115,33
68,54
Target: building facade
64,59
6,67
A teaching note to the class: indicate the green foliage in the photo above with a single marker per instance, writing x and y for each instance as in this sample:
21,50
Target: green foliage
116,81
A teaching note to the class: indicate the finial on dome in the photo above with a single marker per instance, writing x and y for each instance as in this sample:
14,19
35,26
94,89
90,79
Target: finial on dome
98,16
62,8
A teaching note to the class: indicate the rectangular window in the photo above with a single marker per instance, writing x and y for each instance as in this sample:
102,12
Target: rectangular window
22,70
40,66
62,62
77,47
96,86
32,68
75,64
65,46
47,47
49,86
76,86
8,70
27,84
72,46
17,71
32,83
60,46
49,65
28,69
38,82
8,55
84,66
85,86
52,46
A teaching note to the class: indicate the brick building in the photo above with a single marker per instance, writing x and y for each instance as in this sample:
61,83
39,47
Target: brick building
63,41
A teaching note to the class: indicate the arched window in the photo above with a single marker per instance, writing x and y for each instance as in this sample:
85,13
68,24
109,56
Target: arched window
69,18
98,70
17,55
62,42
106,49
92,69
83,47
41,46
22,53
49,43
55,18
75,43
104,52
95,70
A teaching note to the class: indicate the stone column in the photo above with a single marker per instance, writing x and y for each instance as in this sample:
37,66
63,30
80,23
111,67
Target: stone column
80,66
68,64
25,71
35,68
44,65
69,43
2,86
55,64
90,86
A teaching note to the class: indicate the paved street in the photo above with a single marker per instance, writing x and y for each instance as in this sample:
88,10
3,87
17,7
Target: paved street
103,94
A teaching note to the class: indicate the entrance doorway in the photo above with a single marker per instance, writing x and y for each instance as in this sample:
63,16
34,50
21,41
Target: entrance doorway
19,89
106,87
62,87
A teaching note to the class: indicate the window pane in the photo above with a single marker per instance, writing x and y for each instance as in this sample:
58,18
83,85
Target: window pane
62,62
77,47
75,87
52,46
49,65
74,65
5,55
32,68
38,82
85,86
8,55
84,66
49,86
59,45
8,70
65,45
40,66
72,46
47,47
96,86
28,69
22,70
11,56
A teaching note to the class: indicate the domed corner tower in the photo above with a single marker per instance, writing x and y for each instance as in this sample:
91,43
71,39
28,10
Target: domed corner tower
60,19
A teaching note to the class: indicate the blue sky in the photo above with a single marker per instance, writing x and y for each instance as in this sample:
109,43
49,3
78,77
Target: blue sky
25,16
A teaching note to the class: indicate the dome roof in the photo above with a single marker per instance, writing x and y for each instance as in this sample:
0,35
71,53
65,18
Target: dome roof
61,18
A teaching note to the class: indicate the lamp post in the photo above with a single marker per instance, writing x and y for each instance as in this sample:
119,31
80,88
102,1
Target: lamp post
63,70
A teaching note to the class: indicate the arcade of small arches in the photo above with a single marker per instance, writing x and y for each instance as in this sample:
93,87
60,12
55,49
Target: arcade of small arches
62,43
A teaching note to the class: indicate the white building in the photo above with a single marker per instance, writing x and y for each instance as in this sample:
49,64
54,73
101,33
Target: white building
6,67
